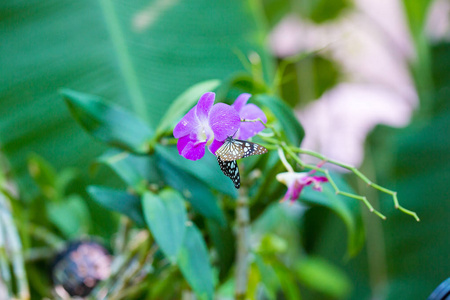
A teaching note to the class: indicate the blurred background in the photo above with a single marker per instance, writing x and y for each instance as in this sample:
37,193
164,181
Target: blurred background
369,81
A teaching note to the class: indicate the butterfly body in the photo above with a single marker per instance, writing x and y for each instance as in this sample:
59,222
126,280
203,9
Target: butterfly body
231,151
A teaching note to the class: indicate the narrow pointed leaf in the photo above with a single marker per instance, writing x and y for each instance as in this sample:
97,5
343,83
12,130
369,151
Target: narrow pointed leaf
193,261
284,114
108,122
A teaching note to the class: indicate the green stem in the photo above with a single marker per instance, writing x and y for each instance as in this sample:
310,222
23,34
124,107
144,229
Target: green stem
333,184
242,244
357,173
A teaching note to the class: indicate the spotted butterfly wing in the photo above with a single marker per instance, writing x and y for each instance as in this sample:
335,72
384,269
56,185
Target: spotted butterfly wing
236,149
231,170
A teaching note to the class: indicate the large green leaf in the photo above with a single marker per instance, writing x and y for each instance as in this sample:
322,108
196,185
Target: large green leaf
166,217
108,123
139,54
193,260
136,171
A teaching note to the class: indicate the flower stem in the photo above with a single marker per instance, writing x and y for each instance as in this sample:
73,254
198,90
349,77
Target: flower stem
333,184
242,244
360,175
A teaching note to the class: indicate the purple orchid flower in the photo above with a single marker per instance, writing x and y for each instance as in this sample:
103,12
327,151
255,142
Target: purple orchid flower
248,112
297,181
205,125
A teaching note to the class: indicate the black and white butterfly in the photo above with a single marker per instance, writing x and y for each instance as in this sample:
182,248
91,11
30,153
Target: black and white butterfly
236,149
233,150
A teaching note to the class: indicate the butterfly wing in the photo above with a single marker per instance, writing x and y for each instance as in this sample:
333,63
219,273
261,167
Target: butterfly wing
250,148
231,170
230,151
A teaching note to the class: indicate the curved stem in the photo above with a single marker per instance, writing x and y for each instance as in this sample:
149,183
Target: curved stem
333,184
357,173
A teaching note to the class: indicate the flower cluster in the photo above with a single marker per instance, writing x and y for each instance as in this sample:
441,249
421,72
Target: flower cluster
209,124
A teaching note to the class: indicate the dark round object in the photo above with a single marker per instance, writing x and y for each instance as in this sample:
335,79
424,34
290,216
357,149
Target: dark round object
442,292
80,267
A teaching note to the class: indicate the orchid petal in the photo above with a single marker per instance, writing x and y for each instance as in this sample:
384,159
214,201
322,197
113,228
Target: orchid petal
320,178
240,101
215,146
188,123
182,142
297,189
224,121
250,129
193,150
204,105
288,194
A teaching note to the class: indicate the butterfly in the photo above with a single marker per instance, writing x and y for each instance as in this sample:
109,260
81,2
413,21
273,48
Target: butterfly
236,149
233,150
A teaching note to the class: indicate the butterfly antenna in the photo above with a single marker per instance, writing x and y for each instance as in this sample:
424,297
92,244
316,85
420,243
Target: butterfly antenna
235,133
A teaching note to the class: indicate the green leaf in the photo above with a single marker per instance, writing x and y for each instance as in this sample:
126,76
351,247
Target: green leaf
206,169
269,277
320,275
284,115
193,261
70,215
195,191
166,218
107,122
137,171
347,209
183,103
118,201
